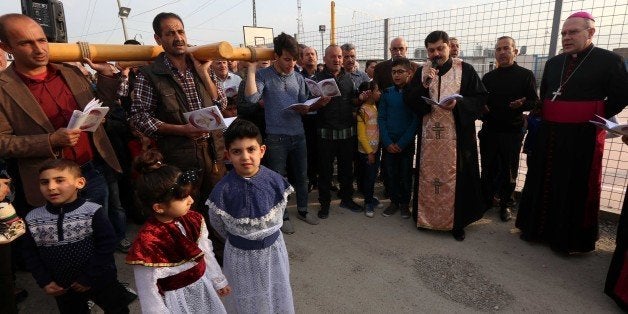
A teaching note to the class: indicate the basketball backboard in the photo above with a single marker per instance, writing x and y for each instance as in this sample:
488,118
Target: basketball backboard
254,36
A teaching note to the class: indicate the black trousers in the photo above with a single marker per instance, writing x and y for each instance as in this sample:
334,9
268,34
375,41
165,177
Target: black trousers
7,298
500,165
309,125
112,298
343,151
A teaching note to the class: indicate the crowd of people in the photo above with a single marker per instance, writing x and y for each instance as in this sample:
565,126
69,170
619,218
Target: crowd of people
213,203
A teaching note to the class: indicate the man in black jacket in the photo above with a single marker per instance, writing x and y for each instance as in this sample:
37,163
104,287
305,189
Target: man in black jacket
512,90
335,127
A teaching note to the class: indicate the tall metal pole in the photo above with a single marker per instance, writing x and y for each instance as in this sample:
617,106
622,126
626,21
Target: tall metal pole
558,8
332,32
300,30
322,42
123,19
254,14
321,29
386,39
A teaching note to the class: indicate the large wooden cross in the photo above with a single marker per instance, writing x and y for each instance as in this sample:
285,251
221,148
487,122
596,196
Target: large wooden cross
63,52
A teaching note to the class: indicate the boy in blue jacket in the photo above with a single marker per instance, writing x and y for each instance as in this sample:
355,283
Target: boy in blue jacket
397,128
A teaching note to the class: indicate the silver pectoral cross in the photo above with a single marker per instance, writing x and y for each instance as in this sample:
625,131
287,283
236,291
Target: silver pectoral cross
556,93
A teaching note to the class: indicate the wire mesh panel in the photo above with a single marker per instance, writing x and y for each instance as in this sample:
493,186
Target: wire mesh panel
477,28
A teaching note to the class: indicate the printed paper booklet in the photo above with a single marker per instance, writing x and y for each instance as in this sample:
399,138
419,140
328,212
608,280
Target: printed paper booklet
326,87
208,119
619,129
90,118
306,104
442,101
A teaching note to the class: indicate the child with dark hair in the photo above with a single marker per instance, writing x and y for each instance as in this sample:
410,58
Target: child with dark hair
246,207
397,129
70,243
368,145
232,107
172,257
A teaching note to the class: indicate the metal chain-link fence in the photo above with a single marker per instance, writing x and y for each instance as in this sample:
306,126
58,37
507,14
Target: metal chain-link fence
477,27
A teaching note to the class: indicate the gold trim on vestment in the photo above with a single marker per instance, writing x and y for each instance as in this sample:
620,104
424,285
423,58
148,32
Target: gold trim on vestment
438,156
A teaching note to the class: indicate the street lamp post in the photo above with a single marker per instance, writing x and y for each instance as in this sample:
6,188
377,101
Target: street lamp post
123,13
321,28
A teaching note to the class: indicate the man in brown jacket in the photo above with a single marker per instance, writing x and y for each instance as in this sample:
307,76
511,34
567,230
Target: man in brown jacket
37,99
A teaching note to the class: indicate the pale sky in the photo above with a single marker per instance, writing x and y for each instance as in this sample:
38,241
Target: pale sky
96,21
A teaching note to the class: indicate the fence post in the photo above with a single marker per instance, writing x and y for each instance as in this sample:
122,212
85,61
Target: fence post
558,8
385,39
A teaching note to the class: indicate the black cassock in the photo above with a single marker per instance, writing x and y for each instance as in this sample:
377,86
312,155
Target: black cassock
561,195
617,278
469,205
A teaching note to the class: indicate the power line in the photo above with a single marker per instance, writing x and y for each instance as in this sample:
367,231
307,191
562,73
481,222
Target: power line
219,14
95,33
92,16
161,6
109,37
202,6
89,5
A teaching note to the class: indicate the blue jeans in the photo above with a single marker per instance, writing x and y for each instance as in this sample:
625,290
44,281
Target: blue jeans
97,190
369,174
280,148
399,175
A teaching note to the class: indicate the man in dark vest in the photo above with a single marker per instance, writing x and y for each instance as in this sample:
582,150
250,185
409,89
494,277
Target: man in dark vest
176,83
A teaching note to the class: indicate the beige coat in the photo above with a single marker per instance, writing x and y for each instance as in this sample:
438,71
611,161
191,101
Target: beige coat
25,129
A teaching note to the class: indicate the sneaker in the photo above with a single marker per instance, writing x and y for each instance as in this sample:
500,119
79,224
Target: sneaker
351,205
311,219
369,210
390,210
287,227
404,209
124,246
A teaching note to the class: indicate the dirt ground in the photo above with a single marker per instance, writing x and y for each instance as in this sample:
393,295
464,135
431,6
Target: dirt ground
354,264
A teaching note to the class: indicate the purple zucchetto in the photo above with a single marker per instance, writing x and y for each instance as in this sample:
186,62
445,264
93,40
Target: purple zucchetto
583,14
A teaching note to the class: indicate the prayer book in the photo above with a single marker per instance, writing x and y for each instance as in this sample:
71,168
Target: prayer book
208,118
228,121
326,87
442,101
619,129
90,118
306,104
